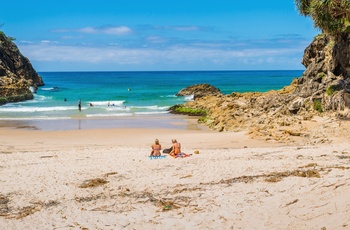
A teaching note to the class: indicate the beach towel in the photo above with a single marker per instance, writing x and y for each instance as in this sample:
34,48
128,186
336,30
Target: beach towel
182,155
156,157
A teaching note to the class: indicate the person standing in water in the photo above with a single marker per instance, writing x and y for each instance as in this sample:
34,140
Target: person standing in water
79,104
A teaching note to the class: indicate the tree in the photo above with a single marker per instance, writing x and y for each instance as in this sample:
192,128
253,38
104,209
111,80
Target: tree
331,16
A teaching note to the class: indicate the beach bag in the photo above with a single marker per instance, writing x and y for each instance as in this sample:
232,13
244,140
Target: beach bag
167,150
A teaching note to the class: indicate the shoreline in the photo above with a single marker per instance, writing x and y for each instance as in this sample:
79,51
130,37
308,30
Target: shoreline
191,139
140,131
167,121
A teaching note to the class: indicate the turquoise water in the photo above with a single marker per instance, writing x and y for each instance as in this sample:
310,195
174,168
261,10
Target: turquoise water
125,94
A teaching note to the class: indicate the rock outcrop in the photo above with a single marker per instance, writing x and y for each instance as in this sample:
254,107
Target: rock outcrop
18,79
199,91
326,79
323,89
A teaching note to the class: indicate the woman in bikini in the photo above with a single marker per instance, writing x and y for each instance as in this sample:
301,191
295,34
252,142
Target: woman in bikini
176,148
156,147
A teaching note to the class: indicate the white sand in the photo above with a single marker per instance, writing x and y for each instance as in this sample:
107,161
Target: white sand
234,183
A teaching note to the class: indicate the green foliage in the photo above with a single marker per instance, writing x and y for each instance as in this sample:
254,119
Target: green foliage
321,75
203,119
321,35
3,101
11,39
330,90
318,106
330,45
331,16
190,111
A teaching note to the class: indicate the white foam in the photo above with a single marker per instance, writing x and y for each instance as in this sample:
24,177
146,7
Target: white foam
47,89
150,113
36,109
117,108
105,103
150,107
110,115
189,98
39,98
33,118
173,95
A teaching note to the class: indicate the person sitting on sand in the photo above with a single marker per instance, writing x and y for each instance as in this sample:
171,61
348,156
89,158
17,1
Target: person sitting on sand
176,148
156,147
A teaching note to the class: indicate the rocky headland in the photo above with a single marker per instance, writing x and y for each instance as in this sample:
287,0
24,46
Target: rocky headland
322,92
18,79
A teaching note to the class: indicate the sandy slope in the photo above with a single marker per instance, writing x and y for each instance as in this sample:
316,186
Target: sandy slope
103,179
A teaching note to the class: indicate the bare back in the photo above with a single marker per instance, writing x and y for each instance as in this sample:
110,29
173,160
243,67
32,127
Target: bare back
156,149
177,148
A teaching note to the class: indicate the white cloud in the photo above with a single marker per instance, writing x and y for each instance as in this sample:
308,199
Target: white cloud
114,30
174,55
178,28
117,30
160,49
156,39
88,30
186,28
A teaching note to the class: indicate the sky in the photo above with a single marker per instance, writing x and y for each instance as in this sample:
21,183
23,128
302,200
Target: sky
156,35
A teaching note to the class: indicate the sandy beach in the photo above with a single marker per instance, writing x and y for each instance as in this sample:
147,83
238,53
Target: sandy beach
102,178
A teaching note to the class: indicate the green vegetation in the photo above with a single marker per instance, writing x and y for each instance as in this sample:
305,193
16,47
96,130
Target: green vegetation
330,45
190,111
320,36
3,101
181,109
330,90
331,16
10,39
203,119
321,75
318,105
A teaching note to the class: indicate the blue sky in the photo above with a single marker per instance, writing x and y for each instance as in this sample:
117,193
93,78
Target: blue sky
158,35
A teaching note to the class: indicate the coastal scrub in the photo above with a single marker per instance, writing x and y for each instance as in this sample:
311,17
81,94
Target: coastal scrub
181,109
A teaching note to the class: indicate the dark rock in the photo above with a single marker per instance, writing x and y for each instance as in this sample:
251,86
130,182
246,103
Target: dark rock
17,76
199,91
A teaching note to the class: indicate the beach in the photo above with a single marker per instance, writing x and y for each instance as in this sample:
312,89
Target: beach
102,178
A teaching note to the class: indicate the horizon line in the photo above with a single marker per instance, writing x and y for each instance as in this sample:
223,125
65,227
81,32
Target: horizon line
77,71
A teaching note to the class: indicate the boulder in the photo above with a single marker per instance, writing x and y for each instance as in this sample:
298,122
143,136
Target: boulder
199,90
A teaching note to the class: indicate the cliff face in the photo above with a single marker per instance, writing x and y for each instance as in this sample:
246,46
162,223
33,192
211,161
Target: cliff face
17,77
323,89
326,79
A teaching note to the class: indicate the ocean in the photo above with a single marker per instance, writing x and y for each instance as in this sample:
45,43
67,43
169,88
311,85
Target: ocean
131,94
